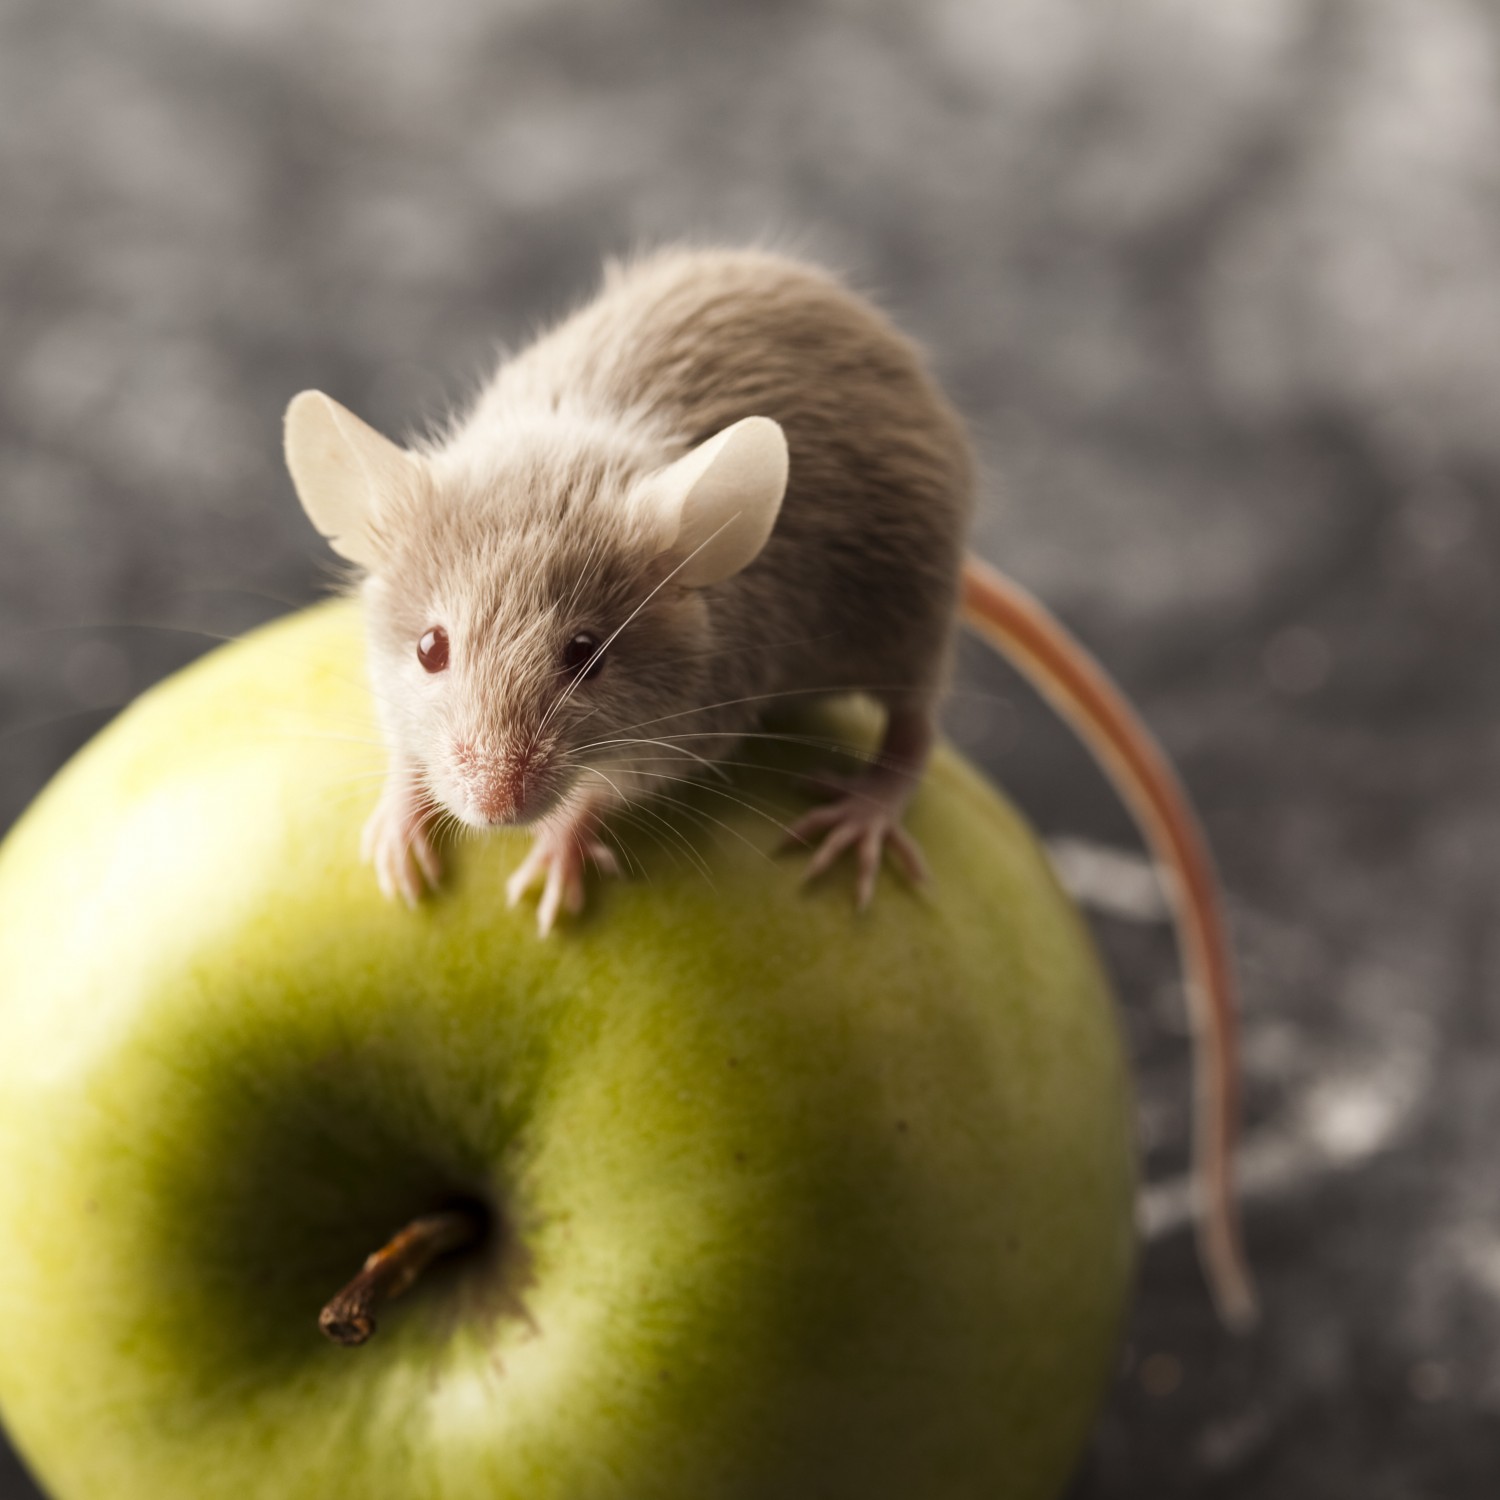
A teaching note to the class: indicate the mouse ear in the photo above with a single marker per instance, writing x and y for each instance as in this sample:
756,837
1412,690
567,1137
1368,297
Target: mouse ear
715,507
341,467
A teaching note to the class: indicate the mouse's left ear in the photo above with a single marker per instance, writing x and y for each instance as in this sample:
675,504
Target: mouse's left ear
343,469
714,508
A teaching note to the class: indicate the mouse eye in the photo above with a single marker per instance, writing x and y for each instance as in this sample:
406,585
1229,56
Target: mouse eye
582,656
432,649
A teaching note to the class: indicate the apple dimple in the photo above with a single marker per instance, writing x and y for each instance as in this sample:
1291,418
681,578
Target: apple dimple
296,1176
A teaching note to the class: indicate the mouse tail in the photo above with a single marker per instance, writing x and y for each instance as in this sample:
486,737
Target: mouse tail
1064,673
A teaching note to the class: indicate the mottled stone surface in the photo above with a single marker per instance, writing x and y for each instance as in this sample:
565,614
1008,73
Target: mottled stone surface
1218,285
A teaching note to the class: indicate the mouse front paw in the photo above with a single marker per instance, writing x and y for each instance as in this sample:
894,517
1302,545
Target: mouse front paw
398,843
557,861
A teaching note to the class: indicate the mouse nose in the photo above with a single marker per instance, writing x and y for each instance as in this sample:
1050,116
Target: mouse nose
496,802
494,784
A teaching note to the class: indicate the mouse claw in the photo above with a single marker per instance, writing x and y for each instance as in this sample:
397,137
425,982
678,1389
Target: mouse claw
397,843
525,874
557,860
558,887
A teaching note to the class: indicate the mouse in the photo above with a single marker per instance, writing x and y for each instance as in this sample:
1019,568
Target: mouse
725,480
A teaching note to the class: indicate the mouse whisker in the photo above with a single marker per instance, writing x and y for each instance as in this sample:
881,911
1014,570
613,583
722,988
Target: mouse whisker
680,750
633,864
700,764
593,561
705,825
582,719
752,800
749,804
629,818
759,768
639,810
702,815
456,829
103,627
809,742
614,635
645,811
805,741
768,697
236,590
719,652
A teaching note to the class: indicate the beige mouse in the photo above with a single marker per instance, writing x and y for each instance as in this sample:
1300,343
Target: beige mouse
725,481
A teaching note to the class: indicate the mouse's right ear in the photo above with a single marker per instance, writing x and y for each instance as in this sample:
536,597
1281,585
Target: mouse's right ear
341,468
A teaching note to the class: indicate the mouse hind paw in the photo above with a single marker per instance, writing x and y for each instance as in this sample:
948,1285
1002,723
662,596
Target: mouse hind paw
866,820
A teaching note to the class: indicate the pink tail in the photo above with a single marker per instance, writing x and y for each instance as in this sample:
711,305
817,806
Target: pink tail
1064,673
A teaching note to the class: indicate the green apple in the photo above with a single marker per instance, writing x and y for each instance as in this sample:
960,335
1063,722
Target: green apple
779,1201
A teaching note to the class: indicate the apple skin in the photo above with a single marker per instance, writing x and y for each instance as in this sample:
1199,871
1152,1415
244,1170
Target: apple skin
790,1202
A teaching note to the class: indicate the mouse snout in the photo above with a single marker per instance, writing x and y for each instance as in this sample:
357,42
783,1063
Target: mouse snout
494,782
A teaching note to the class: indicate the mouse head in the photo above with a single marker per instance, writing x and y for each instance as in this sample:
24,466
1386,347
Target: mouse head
535,610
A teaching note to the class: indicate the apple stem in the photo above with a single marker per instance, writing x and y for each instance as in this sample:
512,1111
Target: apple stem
349,1317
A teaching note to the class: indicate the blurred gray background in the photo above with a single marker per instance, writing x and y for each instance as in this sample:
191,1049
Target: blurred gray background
1218,286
